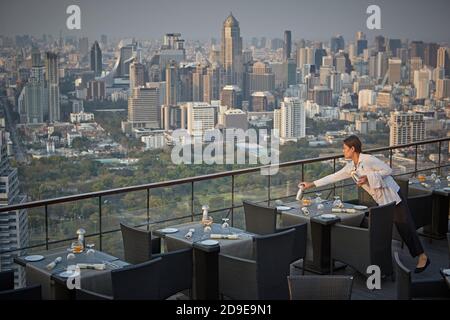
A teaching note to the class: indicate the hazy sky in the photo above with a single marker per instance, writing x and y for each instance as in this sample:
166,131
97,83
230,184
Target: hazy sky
202,19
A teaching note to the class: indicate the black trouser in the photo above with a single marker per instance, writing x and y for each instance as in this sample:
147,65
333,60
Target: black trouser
406,228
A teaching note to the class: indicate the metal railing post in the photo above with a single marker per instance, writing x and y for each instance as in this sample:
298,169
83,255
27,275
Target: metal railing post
334,171
415,160
100,222
192,201
232,200
268,188
46,227
439,157
148,209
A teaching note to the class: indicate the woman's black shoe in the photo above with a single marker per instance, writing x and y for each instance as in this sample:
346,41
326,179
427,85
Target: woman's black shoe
419,270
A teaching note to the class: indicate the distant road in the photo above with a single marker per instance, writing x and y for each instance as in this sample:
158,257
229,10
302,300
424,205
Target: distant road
19,153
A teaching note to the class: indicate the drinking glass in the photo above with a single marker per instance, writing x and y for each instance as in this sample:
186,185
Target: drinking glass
318,198
306,201
433,175
225,224
207,224
337,203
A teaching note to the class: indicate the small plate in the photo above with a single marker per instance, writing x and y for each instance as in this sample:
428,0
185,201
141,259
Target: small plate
283,208
360,207
446,272
447,189
67,274
34,258
328,216
169,230
209,242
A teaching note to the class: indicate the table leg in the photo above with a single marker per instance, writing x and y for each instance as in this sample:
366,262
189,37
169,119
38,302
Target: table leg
206,275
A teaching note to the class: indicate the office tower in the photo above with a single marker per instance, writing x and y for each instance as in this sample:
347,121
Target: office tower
380,44
287,45
35,95
430,54
417,49
366,98
83,46
171,98
342,63
96,59
14,232
406,127
352,51
395,71
185,71
414,65
144,107
384,100
393,45
36,57
231,96
360,36
96,90
324,75
361,43
310,56
137,75
290,120
262,101
337,43
301,57
198,82
261,78
382,64
104,40
211,83
443,89
336,82
234,119
124,60
373,66
443,60
327,61
52,80
322,96
318,57
422,80
171,50
231,51
201,117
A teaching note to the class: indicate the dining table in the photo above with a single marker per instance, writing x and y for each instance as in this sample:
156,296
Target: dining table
206,251
440,190
320,220
55,281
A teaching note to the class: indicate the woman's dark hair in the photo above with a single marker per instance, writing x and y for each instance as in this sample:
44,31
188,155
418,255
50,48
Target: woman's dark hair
353,141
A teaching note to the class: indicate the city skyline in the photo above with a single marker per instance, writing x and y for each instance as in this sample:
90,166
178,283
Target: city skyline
151,19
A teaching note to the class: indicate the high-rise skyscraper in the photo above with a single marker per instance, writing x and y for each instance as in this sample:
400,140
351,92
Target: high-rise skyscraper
83,46
337,43
96,59
197,82
287,45
414,65
231,51
171,50
422,80
430,54
417,49
137,75
380,44
35,95
172,89
443,60
211,83
13,224
395,75
144,107
406,127
52,80
290,120
261,78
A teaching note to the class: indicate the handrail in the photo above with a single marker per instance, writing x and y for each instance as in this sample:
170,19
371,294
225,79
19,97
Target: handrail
41,203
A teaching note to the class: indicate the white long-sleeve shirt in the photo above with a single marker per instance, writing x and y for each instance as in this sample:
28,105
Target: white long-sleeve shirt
381,186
